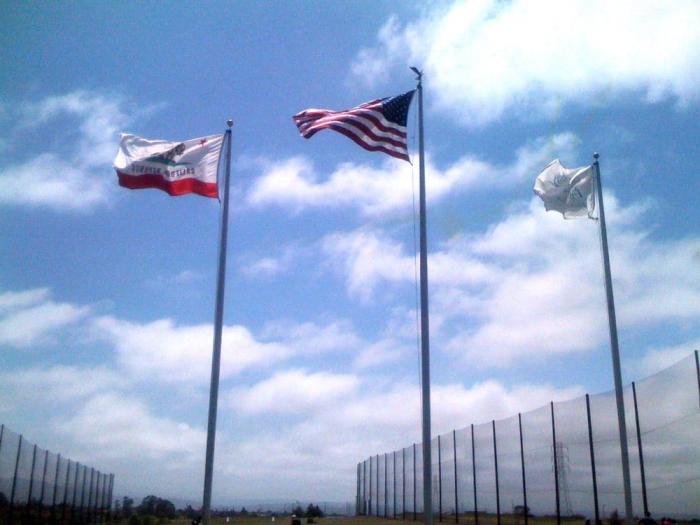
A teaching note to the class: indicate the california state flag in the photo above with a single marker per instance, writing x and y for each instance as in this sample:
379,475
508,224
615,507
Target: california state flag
175,167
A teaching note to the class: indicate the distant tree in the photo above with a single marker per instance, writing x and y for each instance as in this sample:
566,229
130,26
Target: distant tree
189,512
165,509
521,510
148,505
313,511
154,506
243,512
127,506
298,511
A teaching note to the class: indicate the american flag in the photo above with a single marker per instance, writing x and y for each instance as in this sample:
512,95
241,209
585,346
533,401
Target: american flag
379,125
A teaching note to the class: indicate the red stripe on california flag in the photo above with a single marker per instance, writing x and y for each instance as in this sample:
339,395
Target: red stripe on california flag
174,188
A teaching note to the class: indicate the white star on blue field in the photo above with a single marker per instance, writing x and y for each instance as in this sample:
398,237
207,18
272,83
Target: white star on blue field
107,294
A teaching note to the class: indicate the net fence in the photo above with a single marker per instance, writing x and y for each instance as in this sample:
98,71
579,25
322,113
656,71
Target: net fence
562,459
36,484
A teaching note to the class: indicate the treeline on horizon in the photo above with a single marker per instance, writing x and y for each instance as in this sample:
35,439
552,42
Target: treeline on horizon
154,509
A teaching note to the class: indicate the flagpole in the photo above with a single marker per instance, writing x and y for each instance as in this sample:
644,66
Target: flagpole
218,323
425,332
614,346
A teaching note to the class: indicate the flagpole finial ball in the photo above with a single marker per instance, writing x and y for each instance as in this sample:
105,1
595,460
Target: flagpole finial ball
229,122
596,155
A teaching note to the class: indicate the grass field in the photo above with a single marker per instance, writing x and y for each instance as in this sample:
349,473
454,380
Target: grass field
484,519
362,520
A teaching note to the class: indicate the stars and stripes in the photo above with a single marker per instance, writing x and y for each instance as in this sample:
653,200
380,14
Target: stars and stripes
379,125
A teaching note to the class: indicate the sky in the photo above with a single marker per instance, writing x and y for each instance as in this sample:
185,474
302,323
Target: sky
107,294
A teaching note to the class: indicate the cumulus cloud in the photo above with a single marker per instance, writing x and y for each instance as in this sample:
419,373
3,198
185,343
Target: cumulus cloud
170,352
122,426
531,284
294,184
657,359
31,317
59,384
362,417
73,178
484,58
294,391
166,351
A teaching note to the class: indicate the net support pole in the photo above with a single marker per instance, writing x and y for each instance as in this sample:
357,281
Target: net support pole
357,497
55,489
495,467
111,494
65,490
439,479
556,469
43,480
415,483
82,494
641,452
31,481
697,373
376,505
364,488
218,324
425,325
393,464
522,465
403,483
14,478
614,346
75,492
369,510
476,511
386,486
592,453
454,457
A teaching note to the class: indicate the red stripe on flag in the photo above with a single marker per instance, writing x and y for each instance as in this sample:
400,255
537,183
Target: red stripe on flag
174,188
357,140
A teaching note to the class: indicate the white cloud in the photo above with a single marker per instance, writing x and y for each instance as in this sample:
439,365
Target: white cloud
13,300
656,359
294,391
76,177
312,338
167,352
270,266
382,352
293,183
49,180
367,258
317,453
30,317
59,384
483,58
531,284
119,426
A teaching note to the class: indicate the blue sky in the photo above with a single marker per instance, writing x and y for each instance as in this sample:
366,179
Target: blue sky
106,295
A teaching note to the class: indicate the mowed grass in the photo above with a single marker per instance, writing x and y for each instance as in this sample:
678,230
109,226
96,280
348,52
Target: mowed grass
484,519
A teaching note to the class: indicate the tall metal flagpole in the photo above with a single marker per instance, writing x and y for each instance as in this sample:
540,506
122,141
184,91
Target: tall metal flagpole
218,323
614,346
424,331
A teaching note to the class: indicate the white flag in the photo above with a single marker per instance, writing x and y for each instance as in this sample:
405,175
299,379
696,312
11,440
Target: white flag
174,167
566,190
